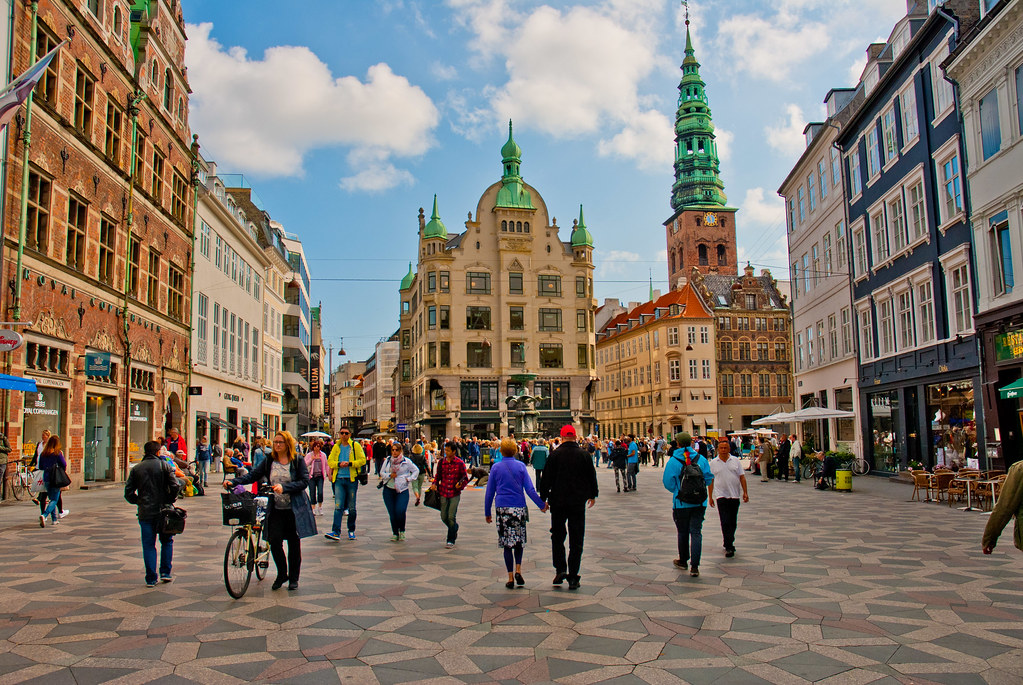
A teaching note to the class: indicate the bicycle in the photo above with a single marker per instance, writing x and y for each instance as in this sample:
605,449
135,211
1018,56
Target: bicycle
247,550
811,463
858,465
21,479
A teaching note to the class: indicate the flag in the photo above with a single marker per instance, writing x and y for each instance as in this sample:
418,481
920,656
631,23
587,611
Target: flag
17,90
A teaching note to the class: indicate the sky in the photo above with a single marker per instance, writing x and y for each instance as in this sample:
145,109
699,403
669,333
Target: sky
347,116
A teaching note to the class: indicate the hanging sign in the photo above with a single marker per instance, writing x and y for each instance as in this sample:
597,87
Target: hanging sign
10,340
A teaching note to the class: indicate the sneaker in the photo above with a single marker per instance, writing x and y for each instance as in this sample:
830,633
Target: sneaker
678,563
573,584
394,538
148,584
166,579
401,535
333,536
694,572
449,545
351,535
65,513
42,521
729,553
54,522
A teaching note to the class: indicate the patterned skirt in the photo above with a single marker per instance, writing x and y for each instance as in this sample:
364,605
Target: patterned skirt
511,526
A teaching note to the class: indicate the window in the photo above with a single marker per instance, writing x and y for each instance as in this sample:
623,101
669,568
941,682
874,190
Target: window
431,355
800,360
795,279
962,314
470,395
134,264
582,356
77,213
38,224
445,317
801,202
780,353
140,157
156,184
693,370
866,334
826,242
809,346
889,138
550,319
951,191
176,293
751,299
96,7
806,277
764,385
580,286
832,336
941,87
168,89
873,153
836,169
1001,254
477,318
855,181
744,351
107,245
1019,97
179,193
811,191
704,335
201,327
705,369
518,354
445,281
674,370
762,351
153,291
551,356
477,355
84,86
815,256
790,217
657,372
691,335
886,326
701,255
477,283
580,320
46,90
445,354
897,222
840,245
516,319
117,24
431,282
112,144
431,317
782,383
673,336
881,248
917,210
725,350
910,125
907,335
846,330
822,179
549,286
746,384
925,312
727,385
990,130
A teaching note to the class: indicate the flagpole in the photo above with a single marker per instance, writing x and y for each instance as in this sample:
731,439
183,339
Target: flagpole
23,223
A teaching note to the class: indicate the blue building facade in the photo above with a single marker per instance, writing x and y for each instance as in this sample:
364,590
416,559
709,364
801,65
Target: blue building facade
910,256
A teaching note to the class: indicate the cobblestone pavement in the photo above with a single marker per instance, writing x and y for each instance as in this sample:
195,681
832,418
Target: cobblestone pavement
826,587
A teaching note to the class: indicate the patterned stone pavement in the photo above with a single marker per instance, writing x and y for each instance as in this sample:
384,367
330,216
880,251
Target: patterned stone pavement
826,587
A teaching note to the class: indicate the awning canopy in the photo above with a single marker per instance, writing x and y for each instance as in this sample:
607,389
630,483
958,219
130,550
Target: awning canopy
366,432
1012,391
223,424
8,382
813,413
780,417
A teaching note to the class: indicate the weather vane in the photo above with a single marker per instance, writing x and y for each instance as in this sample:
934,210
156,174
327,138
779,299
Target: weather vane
685,4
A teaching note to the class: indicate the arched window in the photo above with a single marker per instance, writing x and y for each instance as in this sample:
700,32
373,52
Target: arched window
701,253
168,89
117,22
721,255
504,225
671,262
518,227
181,109
527,227
154,73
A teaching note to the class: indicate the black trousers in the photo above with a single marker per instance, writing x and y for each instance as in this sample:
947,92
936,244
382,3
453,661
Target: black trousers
570,520
728,512
281,527
783,468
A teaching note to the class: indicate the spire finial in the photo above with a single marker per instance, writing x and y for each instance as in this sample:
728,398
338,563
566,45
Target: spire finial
685,4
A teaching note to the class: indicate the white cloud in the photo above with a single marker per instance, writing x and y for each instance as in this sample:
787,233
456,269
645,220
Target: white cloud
443,72
376,178
724,141
646,139
769,48
616,263
759,208
856,68
261,116
787,136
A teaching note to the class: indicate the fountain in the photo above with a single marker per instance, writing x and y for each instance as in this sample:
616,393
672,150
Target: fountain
523,407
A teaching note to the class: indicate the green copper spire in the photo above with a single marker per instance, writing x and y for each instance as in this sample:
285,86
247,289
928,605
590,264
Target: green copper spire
406,282
580,236
512,194
435,228
697,183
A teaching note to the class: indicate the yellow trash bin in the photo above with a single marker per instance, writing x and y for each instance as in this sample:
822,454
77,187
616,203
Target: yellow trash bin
843,480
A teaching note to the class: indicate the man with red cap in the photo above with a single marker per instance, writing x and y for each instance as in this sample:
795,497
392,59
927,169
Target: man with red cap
568,483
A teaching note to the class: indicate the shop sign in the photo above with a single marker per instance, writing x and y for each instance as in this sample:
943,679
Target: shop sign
314,372
194,390
97,364
10,340
1009,345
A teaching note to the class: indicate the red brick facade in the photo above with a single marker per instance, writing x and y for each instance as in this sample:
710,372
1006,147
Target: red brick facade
702,240
77,244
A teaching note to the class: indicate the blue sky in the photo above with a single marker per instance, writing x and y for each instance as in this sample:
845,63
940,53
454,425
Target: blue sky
347,117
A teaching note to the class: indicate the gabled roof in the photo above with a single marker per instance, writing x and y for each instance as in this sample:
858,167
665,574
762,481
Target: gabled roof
686,302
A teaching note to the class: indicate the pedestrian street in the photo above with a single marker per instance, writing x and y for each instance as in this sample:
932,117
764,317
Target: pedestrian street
825,587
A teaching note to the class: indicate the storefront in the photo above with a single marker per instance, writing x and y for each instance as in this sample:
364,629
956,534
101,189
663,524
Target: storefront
100,436
883,409
43,410
952,426
483,425
140,428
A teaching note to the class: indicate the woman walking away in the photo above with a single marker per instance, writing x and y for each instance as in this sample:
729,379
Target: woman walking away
507,488
420,459
291,517
450,479
726,491
316,463
398,473
50,459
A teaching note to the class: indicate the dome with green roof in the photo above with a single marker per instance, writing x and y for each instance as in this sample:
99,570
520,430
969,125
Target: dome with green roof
406,282
511,150
512,193
435,228
580,236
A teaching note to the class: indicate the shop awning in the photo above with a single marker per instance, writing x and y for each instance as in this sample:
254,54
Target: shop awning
17,383
1011,391
223,424
365,432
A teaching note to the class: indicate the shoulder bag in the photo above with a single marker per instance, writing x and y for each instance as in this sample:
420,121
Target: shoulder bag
58,477
172,520
432,499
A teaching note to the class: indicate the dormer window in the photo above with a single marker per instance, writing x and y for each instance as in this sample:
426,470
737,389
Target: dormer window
870,78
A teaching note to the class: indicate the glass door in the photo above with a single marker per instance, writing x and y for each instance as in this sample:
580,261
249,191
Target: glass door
99,437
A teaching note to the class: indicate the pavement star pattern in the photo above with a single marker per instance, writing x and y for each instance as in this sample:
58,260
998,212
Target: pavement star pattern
826,587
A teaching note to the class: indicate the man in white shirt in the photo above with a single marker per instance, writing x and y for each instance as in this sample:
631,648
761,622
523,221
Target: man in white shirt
726,491
795,454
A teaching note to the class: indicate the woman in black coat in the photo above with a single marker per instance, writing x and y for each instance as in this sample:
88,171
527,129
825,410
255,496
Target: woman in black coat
290,516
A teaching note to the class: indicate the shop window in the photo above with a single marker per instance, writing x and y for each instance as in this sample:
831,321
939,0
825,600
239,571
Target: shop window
551,356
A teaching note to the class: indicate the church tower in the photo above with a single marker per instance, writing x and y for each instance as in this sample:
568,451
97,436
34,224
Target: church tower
701,231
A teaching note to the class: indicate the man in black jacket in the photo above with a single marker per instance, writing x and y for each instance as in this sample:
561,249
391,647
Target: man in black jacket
569,481
151,485
379,454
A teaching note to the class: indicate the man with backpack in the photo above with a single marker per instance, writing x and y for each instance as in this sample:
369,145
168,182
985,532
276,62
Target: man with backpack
686,476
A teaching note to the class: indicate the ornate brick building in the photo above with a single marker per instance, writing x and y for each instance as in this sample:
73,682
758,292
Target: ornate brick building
101,224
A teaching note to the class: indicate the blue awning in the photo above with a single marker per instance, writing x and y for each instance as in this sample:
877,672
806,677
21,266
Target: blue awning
17,383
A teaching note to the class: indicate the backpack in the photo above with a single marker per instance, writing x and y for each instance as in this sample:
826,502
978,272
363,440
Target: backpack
692,488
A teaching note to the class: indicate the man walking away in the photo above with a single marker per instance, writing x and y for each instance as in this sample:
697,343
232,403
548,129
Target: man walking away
151,485
619,460
795,454
379,454
725,491
538,458
783,458
682,479
1010,505
202,460
633,465
569,482
659,447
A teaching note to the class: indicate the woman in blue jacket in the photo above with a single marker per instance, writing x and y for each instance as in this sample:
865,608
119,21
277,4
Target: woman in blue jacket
688,516
507,487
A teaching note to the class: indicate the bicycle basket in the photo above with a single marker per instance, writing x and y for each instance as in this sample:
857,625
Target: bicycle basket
239,510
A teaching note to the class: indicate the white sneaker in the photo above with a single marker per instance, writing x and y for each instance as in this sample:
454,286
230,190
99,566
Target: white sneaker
65,513
42,521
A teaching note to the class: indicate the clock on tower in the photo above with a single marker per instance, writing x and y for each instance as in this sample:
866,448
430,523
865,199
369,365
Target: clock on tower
710,218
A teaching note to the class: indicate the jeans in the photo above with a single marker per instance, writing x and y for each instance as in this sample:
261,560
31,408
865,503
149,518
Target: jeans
396,504
624,478
630,476
203,468
448,510
148,530
315,490
728,512
689,525
344,498
574,518
281,527
795,467
53,495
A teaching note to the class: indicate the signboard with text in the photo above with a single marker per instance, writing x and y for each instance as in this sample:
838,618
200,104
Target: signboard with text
1009,345
314,372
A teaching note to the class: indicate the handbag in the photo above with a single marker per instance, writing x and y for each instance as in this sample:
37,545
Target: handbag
172,520
58,477
432,499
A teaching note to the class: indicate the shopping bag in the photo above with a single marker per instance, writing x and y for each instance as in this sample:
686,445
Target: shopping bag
37,482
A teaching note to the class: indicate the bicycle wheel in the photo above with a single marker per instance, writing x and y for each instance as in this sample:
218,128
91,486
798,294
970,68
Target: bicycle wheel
860,467
808,470
262,560
18,487
238,563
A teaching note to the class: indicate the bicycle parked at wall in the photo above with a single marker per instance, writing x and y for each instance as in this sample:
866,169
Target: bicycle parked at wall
21,479
247,549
